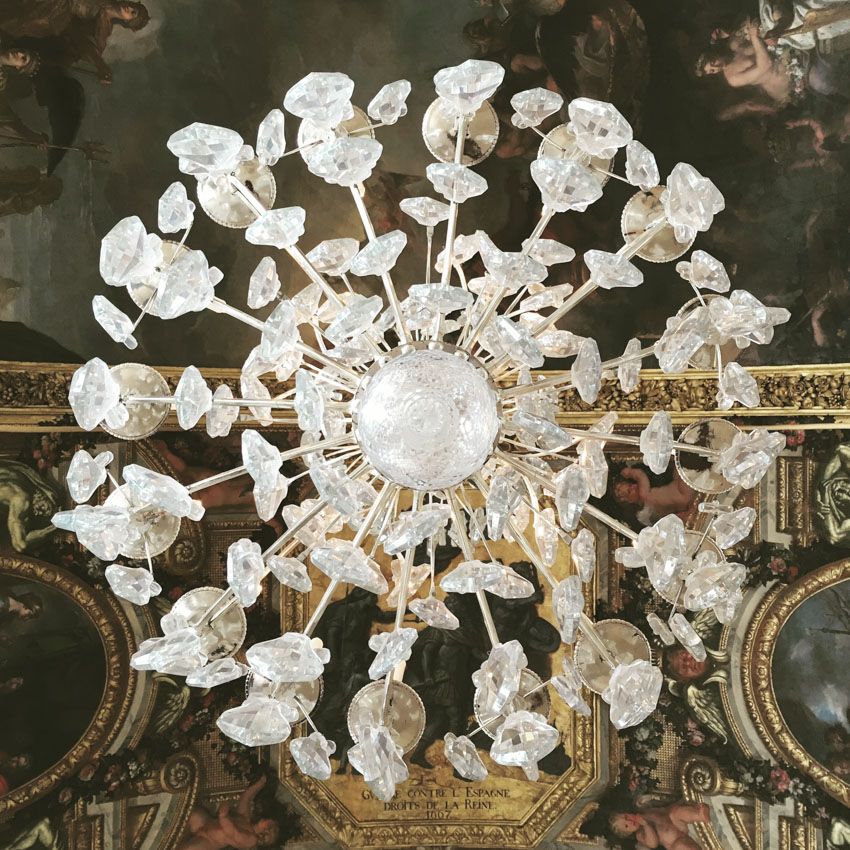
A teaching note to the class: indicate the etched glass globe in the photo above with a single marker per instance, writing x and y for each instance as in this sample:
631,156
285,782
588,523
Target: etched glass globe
427,419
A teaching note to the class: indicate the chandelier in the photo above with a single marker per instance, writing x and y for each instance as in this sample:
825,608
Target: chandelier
422,419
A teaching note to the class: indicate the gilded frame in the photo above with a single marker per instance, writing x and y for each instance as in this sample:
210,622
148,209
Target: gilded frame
756,664
114,629
34,396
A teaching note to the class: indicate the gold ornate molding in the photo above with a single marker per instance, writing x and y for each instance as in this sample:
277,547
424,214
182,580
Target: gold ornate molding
108,618
802,392
35,395
756,665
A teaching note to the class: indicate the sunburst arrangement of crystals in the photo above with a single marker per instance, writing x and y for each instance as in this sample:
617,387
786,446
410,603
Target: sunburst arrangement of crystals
420,402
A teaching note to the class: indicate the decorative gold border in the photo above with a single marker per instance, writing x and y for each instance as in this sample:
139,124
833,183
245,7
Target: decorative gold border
116,635
34,396
756,664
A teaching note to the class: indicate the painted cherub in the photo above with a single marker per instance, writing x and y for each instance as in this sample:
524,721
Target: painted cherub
231,828
662,827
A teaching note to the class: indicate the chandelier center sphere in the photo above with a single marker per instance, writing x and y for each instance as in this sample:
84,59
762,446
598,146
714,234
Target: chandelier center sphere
428,418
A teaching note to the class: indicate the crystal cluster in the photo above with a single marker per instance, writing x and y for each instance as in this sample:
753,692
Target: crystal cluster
422,423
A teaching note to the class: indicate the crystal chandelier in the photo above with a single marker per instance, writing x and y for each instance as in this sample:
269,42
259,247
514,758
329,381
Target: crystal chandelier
422,402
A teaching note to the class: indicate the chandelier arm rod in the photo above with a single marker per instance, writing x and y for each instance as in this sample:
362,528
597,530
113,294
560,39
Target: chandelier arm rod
293,250
429,246
613,437
545,217
287,536
500,293
548,484
587,626
481,484
469,555
565,379
389,288
401,605
451,222
377,506
289,454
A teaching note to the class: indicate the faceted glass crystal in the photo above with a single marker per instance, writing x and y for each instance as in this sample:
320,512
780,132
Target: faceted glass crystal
288,658
245,571
177,653
571,495
220,417
259,721
354,318
216,673
342,561
464,758
498,678
434,612
656,442
128,254
511,585
610,271
153,488
586,371
705,272
633,692
570,695
264,284
470,577
333,256
660,628
687,636
389,104
175,211
280,332
502,499
185,285
748,458
546,536
517,342
730,528
583,554
135,584
205,149
413,527
118,325
312,755
690,201
641,168
86,473
533,106
345,161
425,211
193,398
565,184
456,183
291,572
550,252
628,373
737,384
523,739
281,228
392,648
598,127
271,140
320,97
568,604
464,88
93,393
379,759
380,255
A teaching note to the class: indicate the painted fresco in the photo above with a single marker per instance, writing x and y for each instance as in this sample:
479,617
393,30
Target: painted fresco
90,96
